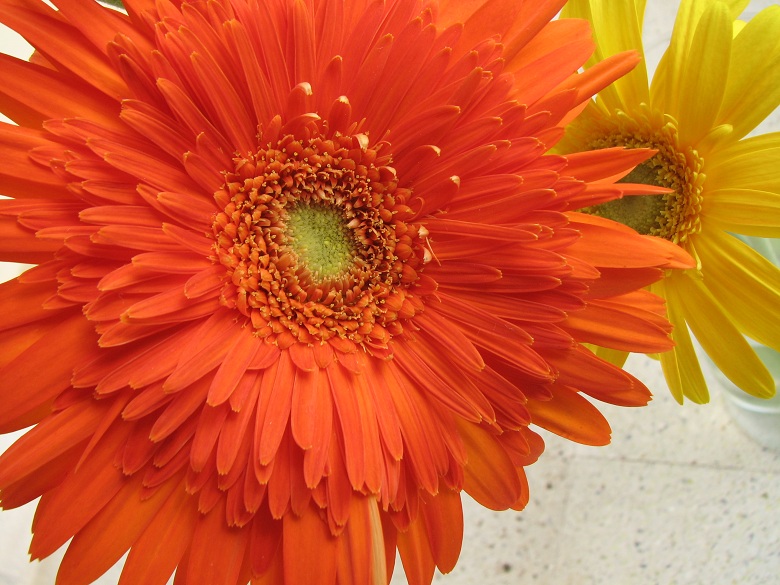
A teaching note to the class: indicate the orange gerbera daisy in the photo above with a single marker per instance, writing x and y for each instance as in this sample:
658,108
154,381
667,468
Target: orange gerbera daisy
304,273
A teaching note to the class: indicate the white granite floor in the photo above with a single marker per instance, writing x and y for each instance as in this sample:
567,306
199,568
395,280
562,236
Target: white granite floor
681,497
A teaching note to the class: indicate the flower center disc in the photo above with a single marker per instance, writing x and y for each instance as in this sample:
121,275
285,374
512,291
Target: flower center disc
320,238
642,213
314,242
674,216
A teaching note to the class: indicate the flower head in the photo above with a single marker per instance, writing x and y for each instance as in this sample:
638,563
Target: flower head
304,273
717,81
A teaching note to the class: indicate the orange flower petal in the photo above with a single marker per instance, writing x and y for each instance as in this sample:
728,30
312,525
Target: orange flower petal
570,415
216,554
126,516
308,537
155,554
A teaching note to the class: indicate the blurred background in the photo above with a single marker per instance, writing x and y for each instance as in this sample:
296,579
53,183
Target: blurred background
683,496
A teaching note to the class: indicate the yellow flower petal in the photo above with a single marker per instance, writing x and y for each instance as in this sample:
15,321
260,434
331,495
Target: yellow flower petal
753,87
740,208
614,356
746,146
753,163
681,366
665,89
736,6
704,74
756,231
719,337
745,283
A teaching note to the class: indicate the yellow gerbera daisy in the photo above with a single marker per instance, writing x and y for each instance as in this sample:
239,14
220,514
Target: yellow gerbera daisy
719,78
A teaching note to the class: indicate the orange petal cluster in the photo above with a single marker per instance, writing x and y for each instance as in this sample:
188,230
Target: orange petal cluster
205,397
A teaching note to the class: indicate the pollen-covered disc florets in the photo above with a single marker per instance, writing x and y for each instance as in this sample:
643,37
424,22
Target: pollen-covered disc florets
673,216
315,243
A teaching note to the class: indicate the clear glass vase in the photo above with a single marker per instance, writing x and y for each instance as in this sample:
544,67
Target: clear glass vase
759,418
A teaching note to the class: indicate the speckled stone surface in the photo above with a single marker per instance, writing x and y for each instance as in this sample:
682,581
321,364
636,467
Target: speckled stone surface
681,497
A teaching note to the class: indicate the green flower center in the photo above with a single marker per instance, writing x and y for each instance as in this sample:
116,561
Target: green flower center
673,216
644,213
320,237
